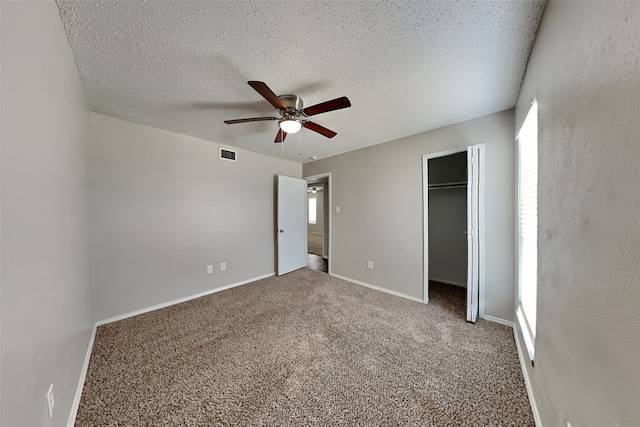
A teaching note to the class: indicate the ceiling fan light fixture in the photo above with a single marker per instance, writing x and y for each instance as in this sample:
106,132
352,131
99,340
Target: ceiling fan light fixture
292,116
290,125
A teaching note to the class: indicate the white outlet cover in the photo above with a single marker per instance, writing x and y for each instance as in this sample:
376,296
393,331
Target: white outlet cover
209,268
370,265
223,266
337,209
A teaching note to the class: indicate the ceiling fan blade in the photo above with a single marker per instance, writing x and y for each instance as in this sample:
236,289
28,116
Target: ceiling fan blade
320,129
334,104
263,89
280,136
252,119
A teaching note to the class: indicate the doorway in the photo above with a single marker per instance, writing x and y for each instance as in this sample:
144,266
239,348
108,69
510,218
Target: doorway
319,222
453,223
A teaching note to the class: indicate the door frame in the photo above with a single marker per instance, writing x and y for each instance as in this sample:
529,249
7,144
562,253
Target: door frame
478,150
328,219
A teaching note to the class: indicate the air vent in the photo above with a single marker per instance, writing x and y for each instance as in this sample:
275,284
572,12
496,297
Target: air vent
228,155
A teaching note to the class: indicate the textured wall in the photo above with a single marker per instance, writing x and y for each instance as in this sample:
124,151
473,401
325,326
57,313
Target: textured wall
46,314
585,74
164,206
384,224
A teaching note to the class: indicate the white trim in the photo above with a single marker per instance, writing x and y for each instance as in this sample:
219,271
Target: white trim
529,340
313,232
83,375
488,318
448,282
330,221
377,288
425,229
527,380
425,214
331,213
481,164
180,300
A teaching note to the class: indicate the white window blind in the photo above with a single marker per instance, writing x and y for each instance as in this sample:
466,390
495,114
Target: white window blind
312,210
528,227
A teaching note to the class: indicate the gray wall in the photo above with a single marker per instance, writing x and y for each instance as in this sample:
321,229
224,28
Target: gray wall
45,310
384,224
447,238
585,74
164,206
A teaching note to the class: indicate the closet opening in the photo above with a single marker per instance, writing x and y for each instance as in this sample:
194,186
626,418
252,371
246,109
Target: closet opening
452,232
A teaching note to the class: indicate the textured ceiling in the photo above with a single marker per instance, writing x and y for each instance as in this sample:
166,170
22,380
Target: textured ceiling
406,66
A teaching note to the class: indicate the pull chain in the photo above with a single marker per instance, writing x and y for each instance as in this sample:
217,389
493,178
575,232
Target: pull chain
300,142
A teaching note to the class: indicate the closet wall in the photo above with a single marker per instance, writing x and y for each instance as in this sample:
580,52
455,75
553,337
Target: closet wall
448,219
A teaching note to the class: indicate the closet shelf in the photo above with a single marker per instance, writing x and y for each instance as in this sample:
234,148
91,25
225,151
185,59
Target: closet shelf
461,184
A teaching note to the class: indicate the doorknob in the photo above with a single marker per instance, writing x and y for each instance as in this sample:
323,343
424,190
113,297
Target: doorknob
282,231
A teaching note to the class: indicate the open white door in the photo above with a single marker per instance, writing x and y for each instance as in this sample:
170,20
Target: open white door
292,224
473,241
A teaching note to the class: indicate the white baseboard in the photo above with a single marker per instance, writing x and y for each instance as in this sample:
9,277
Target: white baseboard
83,375
497,320
180,300
527,380
448,282
377,288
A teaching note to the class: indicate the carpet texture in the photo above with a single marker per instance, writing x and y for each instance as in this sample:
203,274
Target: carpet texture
305,349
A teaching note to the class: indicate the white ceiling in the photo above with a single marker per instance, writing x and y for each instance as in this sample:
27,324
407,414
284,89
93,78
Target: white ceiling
406,66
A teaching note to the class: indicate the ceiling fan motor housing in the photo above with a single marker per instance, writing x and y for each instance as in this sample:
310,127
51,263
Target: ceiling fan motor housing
293,102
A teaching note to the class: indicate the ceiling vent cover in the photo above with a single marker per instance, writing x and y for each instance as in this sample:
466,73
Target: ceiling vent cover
226,154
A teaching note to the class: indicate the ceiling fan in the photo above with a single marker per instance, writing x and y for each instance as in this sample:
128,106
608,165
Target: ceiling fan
292,114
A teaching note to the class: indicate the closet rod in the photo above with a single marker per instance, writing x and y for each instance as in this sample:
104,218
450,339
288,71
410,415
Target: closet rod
461,184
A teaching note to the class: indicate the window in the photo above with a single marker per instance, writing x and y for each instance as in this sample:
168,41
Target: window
312,209
527,142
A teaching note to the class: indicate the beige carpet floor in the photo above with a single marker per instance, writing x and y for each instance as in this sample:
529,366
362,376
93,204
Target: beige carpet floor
305,349
314,243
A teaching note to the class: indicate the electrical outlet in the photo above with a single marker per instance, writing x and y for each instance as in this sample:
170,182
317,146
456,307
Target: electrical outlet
223,266
209,268
51,402
370,265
